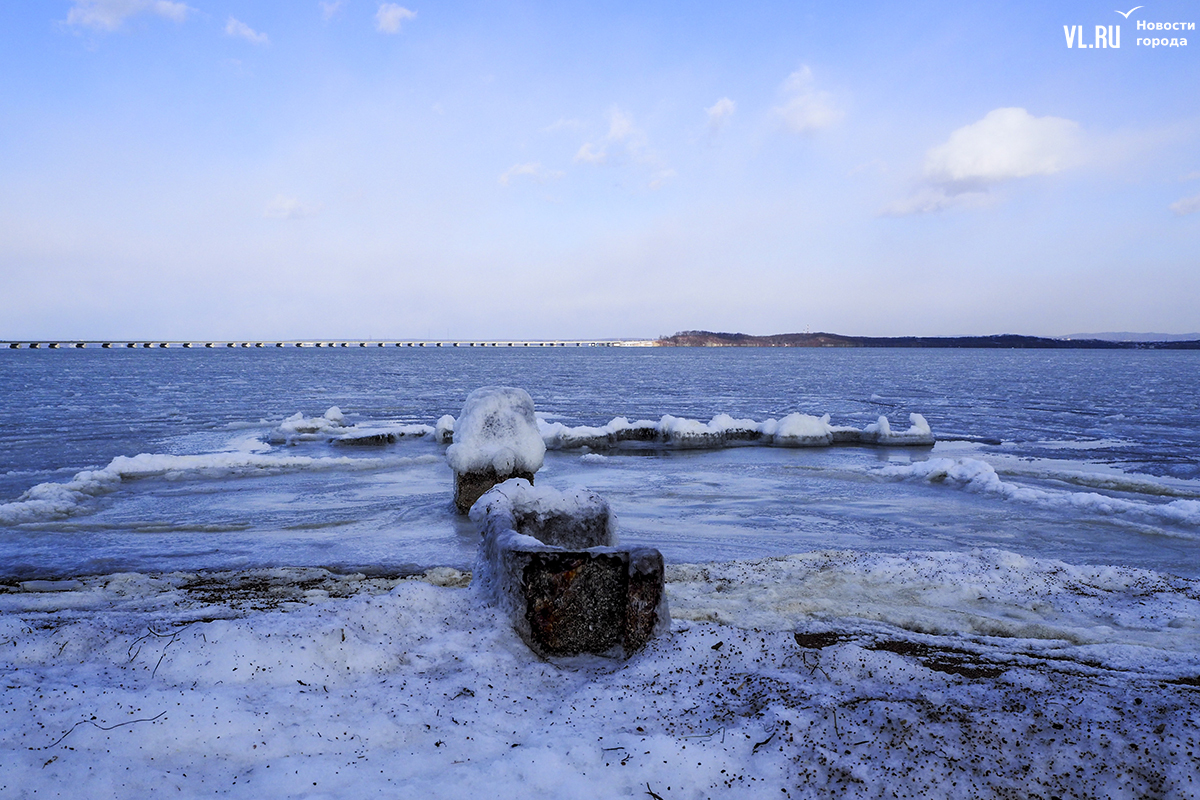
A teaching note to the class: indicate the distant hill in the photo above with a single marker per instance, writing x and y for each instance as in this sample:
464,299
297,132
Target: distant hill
1006,341
1125,336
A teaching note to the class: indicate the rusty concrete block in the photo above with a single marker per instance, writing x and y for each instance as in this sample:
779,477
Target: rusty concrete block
550,561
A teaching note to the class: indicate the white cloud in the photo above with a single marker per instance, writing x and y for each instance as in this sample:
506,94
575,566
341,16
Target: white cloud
238,28
621,131
390,16
589,154
936,198
176,12
620,125
805,108
107,15
562,123
625,144
719,113
284,207
328,9
1191,176
876,165
1186,205
533,170
1007,143
658,179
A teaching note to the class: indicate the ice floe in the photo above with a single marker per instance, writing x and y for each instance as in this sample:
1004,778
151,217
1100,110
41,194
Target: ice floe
975,475
58,500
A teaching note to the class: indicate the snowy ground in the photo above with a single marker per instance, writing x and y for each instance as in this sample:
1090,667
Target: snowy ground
833,674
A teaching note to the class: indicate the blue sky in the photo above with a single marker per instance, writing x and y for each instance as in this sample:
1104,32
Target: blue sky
363,169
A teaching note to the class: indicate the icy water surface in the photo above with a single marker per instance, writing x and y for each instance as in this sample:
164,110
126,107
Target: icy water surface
174,460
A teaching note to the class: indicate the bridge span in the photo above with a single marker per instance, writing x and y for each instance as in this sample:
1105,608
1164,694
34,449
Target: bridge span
147,344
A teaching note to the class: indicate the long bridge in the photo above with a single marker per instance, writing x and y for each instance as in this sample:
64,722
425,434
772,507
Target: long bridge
114,344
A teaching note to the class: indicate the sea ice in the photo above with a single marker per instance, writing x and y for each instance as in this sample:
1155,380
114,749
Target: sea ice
975,475
47,501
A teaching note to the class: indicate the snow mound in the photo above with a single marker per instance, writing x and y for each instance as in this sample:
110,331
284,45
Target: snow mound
497,430
299,428
723,430
918,431
331,427
800,430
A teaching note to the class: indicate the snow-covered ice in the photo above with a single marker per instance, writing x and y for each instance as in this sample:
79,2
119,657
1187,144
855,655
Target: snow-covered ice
794,677
331,427
723,430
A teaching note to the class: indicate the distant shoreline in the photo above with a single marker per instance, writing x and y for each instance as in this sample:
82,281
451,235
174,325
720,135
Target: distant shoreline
1000,341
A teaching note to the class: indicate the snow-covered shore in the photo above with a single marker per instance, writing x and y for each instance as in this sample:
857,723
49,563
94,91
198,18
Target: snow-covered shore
833,674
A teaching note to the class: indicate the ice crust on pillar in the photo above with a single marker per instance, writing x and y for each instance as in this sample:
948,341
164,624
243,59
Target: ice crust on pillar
497,430
496,437
549,560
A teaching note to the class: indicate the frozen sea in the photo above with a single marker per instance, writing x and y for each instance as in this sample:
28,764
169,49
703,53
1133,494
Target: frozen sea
206,589
175,459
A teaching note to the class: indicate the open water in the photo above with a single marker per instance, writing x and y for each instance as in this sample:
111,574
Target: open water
165,460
